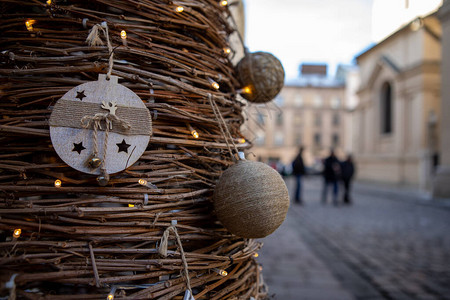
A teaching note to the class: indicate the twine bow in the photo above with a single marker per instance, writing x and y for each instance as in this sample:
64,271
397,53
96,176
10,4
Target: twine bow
94,39
163,251
96,120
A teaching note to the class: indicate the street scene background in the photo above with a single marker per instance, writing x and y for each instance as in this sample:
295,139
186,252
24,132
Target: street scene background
391,243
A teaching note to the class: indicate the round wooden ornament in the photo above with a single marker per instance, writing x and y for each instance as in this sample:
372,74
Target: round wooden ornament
100,127
261,75
251,199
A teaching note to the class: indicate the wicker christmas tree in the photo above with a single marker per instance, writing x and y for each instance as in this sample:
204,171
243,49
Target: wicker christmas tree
77,228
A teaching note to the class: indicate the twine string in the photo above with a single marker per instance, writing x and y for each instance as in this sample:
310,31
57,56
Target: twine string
95,120
94,39
163,251
222,125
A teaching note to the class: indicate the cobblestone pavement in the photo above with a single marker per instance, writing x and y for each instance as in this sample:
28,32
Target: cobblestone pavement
387,245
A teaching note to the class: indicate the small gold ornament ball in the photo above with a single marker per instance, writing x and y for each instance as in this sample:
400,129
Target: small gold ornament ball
94,162
261,76
103,179
251,199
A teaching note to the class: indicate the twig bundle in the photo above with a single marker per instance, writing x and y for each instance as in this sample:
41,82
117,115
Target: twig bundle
85,241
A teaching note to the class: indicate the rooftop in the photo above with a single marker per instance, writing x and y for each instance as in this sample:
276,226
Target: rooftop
315,81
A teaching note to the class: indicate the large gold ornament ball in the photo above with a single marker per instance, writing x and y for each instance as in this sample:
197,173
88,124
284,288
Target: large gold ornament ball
261,76
251,199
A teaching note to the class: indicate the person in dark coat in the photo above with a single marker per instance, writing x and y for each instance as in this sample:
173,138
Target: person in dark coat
331,173
347,172
298,169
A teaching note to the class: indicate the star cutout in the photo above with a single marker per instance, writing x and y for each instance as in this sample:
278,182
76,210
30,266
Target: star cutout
123,146
80,95
78,147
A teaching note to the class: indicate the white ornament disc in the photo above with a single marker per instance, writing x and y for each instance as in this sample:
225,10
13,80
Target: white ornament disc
75,143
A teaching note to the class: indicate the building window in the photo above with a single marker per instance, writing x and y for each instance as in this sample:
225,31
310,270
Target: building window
336,119
335,140
298,100
279,119
279,101
260,139
318,101
386,108
335,103
317,120
279,139
317,140
260,119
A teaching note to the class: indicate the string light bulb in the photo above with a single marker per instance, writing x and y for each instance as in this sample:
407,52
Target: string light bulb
179,9
49,2
242,140
226,50
29,24
255,255
193,131
58,183
221,272
111,293
123,34
144,182
214,84
17,232
247,90
224,3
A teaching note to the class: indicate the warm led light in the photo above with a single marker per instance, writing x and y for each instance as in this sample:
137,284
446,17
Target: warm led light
255,254
224,3
179,9
242,140
144,182
58,183
29,24
123,34
221,272
227,50
214,84
49,2
130,205
111,293
247,90
17,233
192,131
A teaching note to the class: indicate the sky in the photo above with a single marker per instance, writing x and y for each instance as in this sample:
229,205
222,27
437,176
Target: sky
323,31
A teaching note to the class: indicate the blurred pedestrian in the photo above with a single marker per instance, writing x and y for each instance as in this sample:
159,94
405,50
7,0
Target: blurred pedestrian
331,173
347,172
298,169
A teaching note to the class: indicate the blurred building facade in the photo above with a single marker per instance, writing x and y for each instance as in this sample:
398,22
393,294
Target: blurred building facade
396,121
441,184
308,112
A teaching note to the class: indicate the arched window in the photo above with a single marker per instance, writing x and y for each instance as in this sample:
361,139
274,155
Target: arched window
386,108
